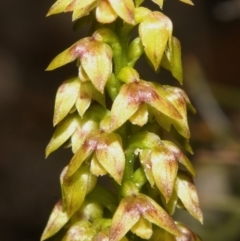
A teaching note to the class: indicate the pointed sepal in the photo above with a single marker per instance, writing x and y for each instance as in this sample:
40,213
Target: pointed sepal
69,55
59,6
62,133
187,193
173,60
57,220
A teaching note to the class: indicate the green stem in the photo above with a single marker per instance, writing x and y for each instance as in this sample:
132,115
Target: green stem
124,36
120,58
129,165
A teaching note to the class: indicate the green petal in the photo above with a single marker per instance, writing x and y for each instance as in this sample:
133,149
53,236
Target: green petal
173,61
176,60
135,50
57,220
188,195
66,97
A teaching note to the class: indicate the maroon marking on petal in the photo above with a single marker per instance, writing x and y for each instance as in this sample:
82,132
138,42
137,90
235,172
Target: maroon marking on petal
78,50
140,92
91,143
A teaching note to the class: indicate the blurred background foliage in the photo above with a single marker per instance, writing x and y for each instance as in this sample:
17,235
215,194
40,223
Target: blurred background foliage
29,186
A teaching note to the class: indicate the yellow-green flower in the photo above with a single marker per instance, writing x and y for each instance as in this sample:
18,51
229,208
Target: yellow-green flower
133,102
159,160
136,213
106,10
95,58
106,155
76,129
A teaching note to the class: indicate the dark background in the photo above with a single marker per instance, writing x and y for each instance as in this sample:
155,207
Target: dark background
29,186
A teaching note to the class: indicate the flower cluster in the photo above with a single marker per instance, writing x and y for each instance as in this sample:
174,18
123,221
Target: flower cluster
115,122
